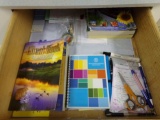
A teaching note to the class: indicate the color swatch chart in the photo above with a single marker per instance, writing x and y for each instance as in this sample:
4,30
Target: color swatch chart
88,86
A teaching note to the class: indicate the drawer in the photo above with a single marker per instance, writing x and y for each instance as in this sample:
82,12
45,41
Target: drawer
146,43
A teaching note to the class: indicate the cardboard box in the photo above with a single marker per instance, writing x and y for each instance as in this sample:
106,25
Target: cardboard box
146,45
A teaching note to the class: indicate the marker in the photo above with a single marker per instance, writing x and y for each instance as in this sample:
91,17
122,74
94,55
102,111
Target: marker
124,57
145,83
110,114
128,58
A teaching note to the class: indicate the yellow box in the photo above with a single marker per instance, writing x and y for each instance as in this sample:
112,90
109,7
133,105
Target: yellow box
30,114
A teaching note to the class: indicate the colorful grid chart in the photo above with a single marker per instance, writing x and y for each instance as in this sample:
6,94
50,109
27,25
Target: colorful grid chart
88,86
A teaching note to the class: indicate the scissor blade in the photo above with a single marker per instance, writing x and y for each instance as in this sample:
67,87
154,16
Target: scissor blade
122,79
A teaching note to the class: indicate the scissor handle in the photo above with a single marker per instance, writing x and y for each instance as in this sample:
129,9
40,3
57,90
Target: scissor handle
141,102
138,102
130,104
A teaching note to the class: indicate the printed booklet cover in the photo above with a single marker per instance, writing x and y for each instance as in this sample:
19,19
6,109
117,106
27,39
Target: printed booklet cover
37,83
87,82
110,20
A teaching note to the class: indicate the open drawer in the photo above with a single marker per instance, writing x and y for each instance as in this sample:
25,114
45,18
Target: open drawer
146,43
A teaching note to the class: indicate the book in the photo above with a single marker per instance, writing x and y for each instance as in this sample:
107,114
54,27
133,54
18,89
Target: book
110,23
87,82
37,83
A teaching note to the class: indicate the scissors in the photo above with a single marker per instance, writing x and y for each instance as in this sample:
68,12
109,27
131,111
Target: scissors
134,100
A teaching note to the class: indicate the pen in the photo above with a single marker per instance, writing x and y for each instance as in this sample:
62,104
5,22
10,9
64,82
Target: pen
145,83
124,57
111,73
109,66
141,88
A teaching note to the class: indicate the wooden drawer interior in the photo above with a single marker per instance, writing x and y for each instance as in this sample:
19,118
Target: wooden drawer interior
146,45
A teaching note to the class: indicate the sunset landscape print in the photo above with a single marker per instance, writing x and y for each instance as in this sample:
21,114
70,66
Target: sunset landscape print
37,83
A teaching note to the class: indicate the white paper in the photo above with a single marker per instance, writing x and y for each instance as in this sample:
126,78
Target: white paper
50,32
119,95
97,46
83,45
